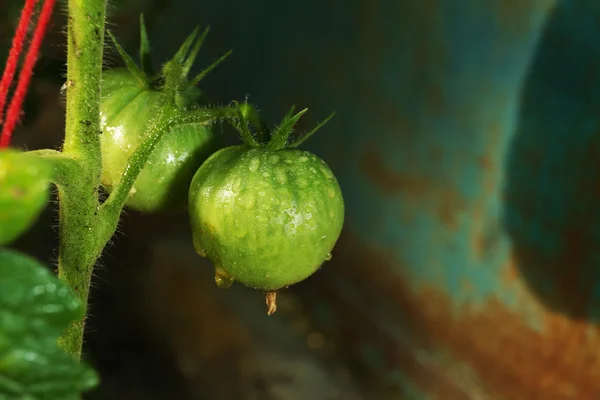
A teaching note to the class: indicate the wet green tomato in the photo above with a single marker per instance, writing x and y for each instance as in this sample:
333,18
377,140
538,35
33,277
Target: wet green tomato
24,193
126,111
265,218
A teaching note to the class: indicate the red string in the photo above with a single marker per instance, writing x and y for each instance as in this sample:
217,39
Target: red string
15,51
14,109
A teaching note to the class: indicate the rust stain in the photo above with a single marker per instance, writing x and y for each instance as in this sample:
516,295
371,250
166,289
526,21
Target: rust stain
485,163
449,208
510,272
490,184
466,285
477,235
448,202
513,360
516,14
387,180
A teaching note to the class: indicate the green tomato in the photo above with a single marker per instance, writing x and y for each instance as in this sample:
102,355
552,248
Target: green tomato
24,192
126,110
266,218
132,98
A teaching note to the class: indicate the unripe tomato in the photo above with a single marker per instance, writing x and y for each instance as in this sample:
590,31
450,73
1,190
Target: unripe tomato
126,111
266,216
131,98
24,192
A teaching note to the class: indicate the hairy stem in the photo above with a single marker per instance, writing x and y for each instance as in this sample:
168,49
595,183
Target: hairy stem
82,235
85,226
84,72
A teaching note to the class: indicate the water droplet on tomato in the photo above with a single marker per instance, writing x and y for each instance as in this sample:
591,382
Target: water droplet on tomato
326,172
254,164
328,257
222,279
281,176
236,184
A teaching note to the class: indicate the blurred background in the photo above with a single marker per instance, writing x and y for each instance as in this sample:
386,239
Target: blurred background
467,145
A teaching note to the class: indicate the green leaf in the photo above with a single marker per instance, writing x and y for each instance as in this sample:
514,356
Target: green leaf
24,192
35,308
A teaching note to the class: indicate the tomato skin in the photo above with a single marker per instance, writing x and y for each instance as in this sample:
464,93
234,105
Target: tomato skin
267,218
126,111
24,193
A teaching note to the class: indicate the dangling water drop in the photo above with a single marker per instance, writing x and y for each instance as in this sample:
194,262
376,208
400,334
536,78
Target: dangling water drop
328,257
222,278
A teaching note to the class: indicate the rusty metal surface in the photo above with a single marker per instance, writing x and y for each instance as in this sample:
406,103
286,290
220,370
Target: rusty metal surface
466,143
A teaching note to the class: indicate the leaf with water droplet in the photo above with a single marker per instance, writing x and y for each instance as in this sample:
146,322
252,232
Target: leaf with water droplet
35,308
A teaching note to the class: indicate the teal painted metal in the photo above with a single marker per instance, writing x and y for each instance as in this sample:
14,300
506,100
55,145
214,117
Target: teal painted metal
431,97
553,179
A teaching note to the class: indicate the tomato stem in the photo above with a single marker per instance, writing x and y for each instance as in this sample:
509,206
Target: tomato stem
61,166
271,301
247,136
82,234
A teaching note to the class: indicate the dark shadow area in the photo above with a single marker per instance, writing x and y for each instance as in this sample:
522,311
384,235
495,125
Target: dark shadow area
553,179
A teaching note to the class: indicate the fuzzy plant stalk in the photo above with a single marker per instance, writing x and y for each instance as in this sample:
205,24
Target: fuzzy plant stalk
82,236
85,224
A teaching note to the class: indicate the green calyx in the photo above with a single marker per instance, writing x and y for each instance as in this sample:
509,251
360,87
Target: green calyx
173,78
250,126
